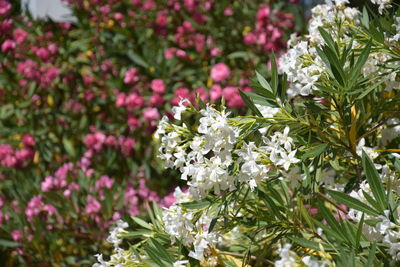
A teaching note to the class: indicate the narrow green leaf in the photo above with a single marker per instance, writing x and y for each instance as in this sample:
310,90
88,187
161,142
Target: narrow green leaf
263,82
314,151
374,181
141,223
69,147
351,202
363,57
371,255
327,38
359,231
312,244
274,72
250,103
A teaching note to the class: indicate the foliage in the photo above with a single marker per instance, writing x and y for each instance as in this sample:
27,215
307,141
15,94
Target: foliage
80,102
312,179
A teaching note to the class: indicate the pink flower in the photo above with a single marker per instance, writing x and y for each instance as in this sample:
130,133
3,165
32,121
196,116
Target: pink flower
133,123
47,184
228,11
215,92
19,35
5,7
250,38
151,114
156,100
92,205
169,53
157,85
220,72
28,140
104,181
127,146
95,141
8,45
16,235
179,94
203,94
131,76
233,99
120,100
134,101
43,53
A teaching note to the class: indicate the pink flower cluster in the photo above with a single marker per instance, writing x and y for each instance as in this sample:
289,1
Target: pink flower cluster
269,29
9,157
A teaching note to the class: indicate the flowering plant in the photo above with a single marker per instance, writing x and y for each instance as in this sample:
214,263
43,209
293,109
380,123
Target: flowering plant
311,179
80,102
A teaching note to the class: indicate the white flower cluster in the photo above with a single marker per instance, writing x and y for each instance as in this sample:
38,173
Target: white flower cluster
385,230
301,63
289,258
279,147
178,224
205,158
120,256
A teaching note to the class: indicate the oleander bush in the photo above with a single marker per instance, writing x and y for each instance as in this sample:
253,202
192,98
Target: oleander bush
310,179
80,102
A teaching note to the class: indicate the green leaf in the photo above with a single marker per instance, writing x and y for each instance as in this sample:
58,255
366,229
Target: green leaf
6,111
314,151
351,202
69,147
274,72
360,63
137,59
196,205
250,103
374,181
312,244
263,82
8,244
371,255
327,38
359,231
141,222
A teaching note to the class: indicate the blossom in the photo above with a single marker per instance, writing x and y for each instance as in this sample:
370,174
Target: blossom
157,85
131,76
220,72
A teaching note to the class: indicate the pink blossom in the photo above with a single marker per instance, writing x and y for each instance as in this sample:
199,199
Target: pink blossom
169,53
133,123
151,114
157,85
16,235
43,53
220,72
92,205
215,92
5,7
47,184
179,94
104,181
127,146
7,46
156,100
28,140
19,35
250,38
95,141
120,100
131,76
228,11
134,101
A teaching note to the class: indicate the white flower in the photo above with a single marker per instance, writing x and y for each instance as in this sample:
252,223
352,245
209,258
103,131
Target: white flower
382,4
177,110
287,257
182,263
294,177
287,159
